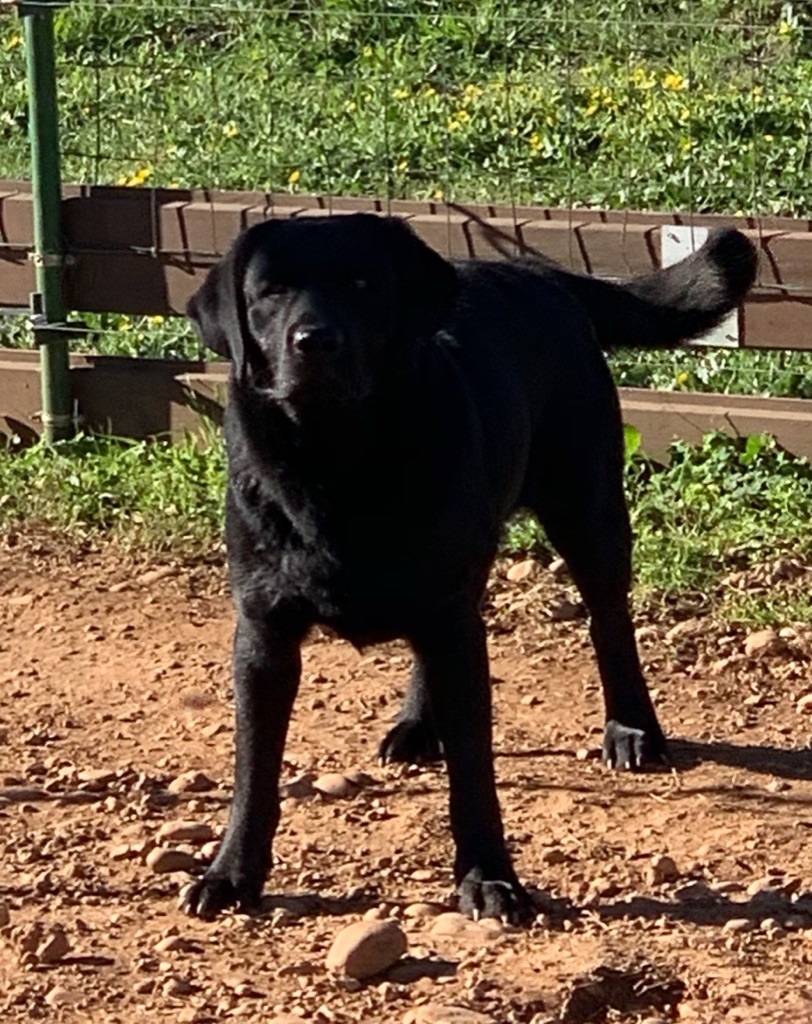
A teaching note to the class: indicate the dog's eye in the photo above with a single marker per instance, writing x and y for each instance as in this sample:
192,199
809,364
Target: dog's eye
360,284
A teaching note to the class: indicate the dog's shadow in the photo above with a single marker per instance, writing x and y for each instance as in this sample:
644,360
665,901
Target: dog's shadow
784,763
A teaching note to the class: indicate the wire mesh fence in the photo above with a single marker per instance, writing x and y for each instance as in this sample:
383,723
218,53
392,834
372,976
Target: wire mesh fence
700,106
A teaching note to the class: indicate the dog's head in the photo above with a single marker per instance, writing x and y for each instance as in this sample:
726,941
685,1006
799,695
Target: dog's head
314,310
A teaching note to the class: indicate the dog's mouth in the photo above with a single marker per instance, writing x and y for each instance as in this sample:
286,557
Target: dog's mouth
309,387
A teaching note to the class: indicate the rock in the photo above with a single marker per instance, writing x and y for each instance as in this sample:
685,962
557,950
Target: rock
693,892
453,923
61,996
5,914
421,911
558,568
185,832
191,782
434,1013
24,794
554,855
804,705
163,859
520,570
162,572
177,987
738,926
297,788
96,779
335,786
588,754
661,870
366,948
175,944
54,947
764,641
567,611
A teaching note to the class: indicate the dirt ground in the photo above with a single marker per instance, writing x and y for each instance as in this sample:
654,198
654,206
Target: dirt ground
115,684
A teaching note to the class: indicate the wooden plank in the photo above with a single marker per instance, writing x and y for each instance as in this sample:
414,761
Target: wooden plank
663,416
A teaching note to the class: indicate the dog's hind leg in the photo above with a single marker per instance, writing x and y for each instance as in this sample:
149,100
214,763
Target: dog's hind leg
413,737
584,513
452,650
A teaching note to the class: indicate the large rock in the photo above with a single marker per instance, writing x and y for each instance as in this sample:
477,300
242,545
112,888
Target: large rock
366,948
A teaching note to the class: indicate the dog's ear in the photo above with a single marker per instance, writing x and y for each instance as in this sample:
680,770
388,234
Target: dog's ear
427,282
215,310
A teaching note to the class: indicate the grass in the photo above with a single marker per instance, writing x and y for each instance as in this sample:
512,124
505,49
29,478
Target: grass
716,508
703,106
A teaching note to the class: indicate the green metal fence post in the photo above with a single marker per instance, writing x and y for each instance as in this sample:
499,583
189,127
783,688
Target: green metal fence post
48,303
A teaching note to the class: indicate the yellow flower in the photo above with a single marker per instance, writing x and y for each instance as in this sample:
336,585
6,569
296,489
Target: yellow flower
470,93
438,194
140,176
367,52
462,116
156,320
430,91
350,106
230,130
686,145
768,138
536,142
674,81
401,94
13,41
403,166
293,177
453,125
682,379
123,179
642,79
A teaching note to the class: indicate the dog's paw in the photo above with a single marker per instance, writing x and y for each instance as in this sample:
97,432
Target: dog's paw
411,741
503,899
213,893
631,749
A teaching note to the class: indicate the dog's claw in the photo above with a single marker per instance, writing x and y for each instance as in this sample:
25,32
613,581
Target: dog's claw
506,901
630,749
410,741
213,893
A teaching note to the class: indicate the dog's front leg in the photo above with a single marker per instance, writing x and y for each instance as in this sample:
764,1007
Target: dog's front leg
454,656
267,667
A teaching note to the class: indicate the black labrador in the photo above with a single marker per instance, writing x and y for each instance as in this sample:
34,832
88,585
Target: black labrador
388,411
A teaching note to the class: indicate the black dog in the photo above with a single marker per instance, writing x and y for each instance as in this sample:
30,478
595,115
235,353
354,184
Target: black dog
388,411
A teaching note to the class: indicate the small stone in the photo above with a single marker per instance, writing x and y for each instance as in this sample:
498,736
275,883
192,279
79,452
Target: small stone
208,851
662,869
434,1013
567,611
185,832
453,923
778,786
366,948
191,782
96,779
554,855
163,860
558,568
59,995
588,754
422,911
177,987
520,570
804,705
54,947
738,926
695,892
175,944
297,788
764,641
162,572
335,786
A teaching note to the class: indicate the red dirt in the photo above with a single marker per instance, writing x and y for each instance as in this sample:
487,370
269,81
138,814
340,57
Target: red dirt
114,682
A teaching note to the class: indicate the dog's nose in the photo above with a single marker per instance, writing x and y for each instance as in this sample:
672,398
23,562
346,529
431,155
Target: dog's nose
315,340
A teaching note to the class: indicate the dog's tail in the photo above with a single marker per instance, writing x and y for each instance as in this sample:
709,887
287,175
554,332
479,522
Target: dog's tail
676,303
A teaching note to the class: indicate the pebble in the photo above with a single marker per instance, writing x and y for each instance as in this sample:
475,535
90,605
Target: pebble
738,926
163,859
185,832
567,611
61,996
520,570
175,944
297,788
761,642
191,782
176,987
366,948
558,568
662,869
335,786
434,1013
154,575
421,911
453,923
54,947
804,705
554,855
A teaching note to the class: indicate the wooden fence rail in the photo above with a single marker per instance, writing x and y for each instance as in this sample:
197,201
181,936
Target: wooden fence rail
145,251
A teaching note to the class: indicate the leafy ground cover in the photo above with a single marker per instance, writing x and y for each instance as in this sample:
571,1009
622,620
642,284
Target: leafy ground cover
721,508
